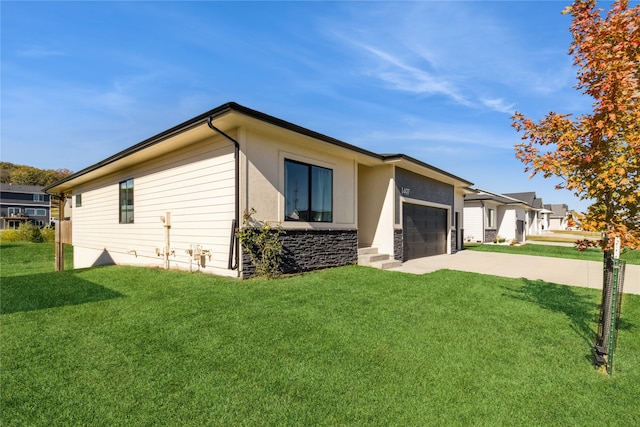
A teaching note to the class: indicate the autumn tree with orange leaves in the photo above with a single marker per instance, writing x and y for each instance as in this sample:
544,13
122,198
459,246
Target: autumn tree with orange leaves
597,156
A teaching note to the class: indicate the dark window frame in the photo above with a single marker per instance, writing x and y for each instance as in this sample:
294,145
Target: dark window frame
308,215
125,201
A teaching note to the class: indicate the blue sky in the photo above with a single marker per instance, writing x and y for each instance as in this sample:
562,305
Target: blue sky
438,81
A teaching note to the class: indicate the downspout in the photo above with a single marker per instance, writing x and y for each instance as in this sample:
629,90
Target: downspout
233,244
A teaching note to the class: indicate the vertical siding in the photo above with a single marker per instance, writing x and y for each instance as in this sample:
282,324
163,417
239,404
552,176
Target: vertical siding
195,184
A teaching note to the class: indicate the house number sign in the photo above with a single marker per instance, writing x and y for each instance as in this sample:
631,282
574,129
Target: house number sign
405,191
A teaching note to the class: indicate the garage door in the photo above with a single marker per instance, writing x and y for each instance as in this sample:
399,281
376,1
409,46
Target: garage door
424,231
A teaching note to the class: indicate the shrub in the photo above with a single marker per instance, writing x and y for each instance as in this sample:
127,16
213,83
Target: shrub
49,234
262,243
28,232
35,235
10,235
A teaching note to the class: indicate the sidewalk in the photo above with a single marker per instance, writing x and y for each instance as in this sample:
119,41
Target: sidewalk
571,272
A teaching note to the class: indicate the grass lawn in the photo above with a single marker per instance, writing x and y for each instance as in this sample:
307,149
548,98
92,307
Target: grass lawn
345,346
631,256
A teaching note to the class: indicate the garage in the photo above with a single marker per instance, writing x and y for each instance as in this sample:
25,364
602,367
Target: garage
424,231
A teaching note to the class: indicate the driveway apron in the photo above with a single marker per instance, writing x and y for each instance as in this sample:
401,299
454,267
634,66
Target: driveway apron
562,271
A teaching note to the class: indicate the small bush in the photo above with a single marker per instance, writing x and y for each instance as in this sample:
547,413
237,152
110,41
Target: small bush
49,234
28,232
262,243
35,235
10,235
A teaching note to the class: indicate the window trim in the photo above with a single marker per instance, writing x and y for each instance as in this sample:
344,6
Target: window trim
129,188
491,218
310,168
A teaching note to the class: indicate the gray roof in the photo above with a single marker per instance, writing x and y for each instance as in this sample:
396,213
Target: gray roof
559,210
537,203
19,188
527,197
487,196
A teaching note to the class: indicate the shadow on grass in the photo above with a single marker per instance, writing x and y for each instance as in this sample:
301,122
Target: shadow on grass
580,308
48,290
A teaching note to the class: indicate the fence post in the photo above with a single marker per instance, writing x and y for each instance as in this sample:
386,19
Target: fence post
60,234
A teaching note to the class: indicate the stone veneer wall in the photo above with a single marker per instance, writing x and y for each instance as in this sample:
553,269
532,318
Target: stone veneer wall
454,245
490,235
305,250
398,250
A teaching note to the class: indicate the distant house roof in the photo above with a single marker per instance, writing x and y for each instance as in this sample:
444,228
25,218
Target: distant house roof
19,188
537,203
528,198
559,210
490,196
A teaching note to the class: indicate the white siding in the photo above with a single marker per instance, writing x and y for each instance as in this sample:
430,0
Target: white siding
472,219
195,184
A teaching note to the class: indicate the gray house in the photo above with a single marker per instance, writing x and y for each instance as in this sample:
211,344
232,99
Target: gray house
23,203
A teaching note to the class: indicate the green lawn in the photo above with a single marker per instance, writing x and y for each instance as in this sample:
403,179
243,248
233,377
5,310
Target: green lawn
345,346
631,256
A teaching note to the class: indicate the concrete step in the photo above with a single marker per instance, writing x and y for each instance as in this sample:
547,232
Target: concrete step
367,251
384,265
368,259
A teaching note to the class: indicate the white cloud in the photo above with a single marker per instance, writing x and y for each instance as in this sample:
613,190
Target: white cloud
405,77
499,104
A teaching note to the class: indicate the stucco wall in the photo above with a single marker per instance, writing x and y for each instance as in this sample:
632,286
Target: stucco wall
263,155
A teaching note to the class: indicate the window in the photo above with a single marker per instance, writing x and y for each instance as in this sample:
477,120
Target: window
14,211
308,192
78,200
491,218
126,202
38,197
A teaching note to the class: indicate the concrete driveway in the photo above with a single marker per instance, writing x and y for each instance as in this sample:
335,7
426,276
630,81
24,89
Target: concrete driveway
554,270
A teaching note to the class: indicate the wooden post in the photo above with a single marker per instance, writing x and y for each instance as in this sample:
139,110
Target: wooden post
59,234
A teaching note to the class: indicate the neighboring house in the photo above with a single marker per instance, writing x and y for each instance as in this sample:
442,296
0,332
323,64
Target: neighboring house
175,199
558,216
534,218
489,216
23,203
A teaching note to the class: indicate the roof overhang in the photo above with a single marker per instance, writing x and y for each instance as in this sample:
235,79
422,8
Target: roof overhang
228,117
422,168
